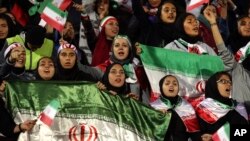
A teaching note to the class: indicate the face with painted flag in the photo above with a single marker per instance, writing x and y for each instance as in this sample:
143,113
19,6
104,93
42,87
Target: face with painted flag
170,86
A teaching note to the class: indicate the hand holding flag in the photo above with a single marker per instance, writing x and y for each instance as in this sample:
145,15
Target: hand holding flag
223,134
49,112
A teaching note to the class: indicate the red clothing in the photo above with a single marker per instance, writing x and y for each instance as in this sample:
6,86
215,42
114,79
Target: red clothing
102,49
207,37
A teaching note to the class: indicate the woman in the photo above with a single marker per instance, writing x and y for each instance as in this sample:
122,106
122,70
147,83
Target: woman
14,64
8,128
183,123
45,69
162,32
205,27
218,108
100,45
239,74
242,34
188,36
7,29
67,65
122,53
114,81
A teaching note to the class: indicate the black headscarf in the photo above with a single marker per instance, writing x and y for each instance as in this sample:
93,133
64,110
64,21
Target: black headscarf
12,30
167,31
181,31
173,100
38,77
211,89
237,41
105,80
73,74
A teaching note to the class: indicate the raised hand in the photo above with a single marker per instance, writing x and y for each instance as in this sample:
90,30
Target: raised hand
210,16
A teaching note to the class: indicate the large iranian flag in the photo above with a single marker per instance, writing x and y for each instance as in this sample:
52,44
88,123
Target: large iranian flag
191,70
85,114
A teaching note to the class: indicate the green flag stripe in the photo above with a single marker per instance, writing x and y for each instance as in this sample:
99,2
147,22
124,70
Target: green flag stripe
181,62
56,10
80,99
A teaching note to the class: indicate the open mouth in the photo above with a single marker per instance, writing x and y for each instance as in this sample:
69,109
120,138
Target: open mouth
171,17
171,90
118,80
21,61
46,71
228,89
121,53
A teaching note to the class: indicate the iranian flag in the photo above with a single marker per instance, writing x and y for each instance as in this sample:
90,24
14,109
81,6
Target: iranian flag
223,134
54,16
49,112
242,53
191,70
86,113
195,3
61,4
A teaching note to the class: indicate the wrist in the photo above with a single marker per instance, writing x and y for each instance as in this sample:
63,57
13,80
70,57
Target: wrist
20,128
212,24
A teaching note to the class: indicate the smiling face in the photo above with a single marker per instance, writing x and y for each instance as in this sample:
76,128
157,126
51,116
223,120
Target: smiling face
20,61
46,68
111,29
168,13
121,48
191,26
170,86
116,76
244,27
224,85
67,57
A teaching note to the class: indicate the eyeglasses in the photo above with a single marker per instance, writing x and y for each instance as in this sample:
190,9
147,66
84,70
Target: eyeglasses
224,81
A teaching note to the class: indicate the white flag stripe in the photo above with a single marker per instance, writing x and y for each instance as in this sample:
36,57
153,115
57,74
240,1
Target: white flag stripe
107,131
187,84
55,16
50,111
57,2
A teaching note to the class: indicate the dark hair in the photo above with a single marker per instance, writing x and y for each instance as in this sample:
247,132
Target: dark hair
206,5
181,31
37,75
179,9
105,81
173,100
211,89
35,34
12,30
